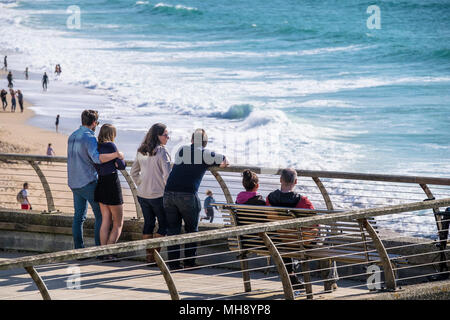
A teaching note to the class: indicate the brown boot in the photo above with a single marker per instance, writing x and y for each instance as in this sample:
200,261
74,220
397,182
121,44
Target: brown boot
149,257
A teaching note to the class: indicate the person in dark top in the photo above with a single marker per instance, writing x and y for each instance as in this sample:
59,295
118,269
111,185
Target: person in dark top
209,209
3,94
26,73
250,196
57,122
108,192
44,81
286,196
9,77
20,98
180,200
5,63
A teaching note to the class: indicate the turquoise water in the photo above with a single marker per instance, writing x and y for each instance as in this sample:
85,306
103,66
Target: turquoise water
337,94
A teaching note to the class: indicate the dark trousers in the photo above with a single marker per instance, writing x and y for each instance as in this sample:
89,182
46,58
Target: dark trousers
210,214
153,209
181,207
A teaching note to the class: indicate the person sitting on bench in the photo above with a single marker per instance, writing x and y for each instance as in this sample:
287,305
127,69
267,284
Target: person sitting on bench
287,197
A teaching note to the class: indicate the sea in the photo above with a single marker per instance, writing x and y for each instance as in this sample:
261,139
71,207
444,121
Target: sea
350,85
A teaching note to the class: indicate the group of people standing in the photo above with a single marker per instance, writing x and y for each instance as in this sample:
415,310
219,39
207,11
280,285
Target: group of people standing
16,96
18,93
168,195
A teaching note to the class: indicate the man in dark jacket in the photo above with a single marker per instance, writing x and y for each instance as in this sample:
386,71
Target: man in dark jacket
180,200
286,196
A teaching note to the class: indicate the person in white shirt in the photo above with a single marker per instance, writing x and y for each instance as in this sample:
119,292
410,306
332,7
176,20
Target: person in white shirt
150,171
25,202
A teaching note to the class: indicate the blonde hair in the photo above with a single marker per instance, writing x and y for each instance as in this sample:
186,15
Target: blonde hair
107,133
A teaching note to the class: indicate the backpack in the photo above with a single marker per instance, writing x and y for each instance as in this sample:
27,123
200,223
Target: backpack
20,197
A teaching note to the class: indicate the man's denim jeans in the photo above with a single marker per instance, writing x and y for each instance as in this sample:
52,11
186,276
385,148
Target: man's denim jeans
81,196
181,206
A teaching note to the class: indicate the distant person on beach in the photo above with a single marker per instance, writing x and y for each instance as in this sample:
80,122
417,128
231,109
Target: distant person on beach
181,201
58,70
209,210
22,198
13,100
5,63
50,151
45,81
26,73
20,99
108,192
9,77
3,95
57,122
150,171
250,196
82,154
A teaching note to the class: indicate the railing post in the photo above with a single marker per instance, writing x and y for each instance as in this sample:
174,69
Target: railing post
243,258
45,185
324,192
133,189
275,254
223,185
167,275
385,261
39,282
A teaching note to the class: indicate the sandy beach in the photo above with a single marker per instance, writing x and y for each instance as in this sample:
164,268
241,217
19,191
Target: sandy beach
16,136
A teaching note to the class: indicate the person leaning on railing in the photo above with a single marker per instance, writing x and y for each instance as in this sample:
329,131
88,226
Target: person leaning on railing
82,153
150,171
181,200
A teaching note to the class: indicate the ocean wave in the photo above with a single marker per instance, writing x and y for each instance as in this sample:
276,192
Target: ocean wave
168,9
240,111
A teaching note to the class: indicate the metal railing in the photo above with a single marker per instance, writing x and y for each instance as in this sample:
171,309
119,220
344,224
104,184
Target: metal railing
213,278
407,228
47,177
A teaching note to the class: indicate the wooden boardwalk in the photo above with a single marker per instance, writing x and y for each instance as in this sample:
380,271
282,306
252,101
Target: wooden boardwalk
132,280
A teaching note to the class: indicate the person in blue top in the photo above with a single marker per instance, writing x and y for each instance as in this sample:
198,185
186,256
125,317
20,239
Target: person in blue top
180,199
108,192
209,210
82,154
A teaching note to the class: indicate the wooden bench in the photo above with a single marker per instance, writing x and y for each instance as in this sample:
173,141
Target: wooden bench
351,242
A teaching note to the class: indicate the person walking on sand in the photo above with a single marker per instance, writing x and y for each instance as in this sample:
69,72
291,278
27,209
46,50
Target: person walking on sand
26,73
9,77
50,152
3,95
181,201
150,171
22,198
5,63
108,192
82,154
20,99
209,210
13,100
45,81
57,123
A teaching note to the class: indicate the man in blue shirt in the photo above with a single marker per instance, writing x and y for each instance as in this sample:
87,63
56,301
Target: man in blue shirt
181,202
82,153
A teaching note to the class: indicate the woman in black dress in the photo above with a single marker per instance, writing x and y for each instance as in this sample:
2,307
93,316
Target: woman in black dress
108,192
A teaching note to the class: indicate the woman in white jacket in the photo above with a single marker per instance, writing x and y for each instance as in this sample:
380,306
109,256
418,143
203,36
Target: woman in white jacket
150,171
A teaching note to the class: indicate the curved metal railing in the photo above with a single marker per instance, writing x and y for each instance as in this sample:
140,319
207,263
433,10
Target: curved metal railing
211,284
